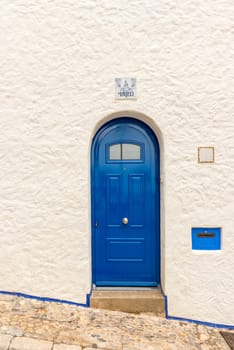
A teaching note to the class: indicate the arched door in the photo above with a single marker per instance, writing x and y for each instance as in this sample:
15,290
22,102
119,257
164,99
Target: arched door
125,205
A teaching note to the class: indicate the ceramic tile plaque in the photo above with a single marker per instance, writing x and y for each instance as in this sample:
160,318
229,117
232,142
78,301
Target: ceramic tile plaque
125,88
205,154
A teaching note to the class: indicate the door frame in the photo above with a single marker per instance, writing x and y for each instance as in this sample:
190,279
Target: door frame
94,144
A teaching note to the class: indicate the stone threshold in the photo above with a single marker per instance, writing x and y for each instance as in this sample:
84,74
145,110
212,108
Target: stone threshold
134,300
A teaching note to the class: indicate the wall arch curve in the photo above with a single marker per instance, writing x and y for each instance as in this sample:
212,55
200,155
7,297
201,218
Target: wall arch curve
140,119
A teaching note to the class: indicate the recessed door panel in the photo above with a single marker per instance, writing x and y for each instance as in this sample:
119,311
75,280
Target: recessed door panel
112,199
136,200
125,249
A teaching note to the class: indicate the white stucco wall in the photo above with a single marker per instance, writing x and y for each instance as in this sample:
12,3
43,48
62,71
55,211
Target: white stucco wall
58,61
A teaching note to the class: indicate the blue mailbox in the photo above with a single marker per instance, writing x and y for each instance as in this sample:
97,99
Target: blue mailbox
204,238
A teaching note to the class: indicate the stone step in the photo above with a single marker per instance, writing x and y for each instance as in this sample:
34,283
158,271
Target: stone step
135,301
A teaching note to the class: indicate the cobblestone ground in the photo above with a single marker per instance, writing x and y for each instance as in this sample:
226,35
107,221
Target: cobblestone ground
53,324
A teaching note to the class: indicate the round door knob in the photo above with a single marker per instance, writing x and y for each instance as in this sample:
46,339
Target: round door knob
125,221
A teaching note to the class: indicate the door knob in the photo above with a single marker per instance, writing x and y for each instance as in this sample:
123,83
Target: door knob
125,221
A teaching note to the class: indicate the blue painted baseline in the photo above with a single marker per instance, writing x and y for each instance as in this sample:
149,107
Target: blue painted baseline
28,296
209,324
52,300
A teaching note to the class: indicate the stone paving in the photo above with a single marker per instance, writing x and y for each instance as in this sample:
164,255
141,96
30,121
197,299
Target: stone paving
27,324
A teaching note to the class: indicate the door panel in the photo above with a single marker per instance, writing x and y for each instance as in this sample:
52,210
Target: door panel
112,198
125,249
136,200
125,205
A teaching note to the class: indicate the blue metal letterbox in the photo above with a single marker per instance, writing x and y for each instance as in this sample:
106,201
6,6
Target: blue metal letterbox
204,238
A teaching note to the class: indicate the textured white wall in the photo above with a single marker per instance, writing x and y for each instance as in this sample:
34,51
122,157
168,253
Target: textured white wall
58,61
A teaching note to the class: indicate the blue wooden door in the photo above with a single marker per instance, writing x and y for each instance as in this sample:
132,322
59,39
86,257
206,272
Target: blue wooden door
125,205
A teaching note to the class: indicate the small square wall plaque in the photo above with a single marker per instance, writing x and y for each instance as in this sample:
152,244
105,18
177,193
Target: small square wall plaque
205,154
125,88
